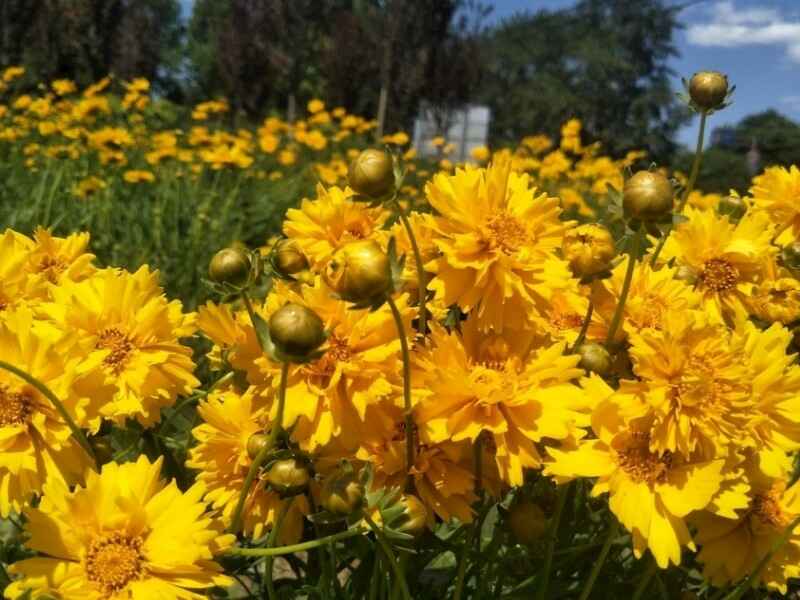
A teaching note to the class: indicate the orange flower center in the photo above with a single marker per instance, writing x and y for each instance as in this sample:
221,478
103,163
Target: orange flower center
767,509
119,344
506,233
51,267
15,407
337,351
719,275
642,465
114,560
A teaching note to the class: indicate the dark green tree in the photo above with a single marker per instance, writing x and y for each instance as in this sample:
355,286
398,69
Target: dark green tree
776,137
603,61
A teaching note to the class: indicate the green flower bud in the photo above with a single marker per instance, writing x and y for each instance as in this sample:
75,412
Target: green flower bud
255,444
594,358
372,173
296,331
289,476
288,259
360,272
648,196
231,266
415,516
708,89
342,493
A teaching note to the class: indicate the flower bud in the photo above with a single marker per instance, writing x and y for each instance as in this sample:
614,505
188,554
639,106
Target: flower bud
342,493
289,476
296,331
527,521
589,249
732,205
360,272
594,358
288,259
372,173
708,89
415,516
648,196
255,444
231,266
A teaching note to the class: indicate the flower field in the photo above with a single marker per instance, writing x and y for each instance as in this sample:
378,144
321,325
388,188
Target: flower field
292,361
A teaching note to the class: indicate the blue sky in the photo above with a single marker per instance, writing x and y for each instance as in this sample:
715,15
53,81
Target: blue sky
755,42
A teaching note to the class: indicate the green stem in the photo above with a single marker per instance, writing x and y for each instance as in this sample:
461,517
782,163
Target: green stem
251,313
698,157
390,556
475,529
601,559
409,420
752,579
273,537
584,326
77,433
264,452
301,547
5,578
644,582
626,286
551,543
421,278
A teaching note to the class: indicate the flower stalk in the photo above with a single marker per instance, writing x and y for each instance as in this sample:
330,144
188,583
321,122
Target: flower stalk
601,560
408,417
551,543
390,556
421,278
626,286
273,537
301,547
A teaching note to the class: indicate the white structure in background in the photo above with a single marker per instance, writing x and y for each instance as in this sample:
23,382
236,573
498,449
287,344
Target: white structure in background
469,128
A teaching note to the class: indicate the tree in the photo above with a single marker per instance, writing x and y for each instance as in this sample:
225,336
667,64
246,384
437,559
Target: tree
776,136
604,61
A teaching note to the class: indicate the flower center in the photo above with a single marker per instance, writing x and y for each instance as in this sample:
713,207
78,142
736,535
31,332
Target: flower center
338,351
15,407
493,353
768,510
642,465
719,275
113,560
566,320
51,267
119,344
507,233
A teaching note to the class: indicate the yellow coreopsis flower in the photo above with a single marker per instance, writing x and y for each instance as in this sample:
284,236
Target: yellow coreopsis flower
497,240
124,334
476,382
325,224
776,192
127,534
776,300
54,260
14,250
138,176
222,459
725,257
36,443
651,493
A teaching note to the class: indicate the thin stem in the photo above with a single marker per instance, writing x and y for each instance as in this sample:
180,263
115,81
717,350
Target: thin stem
264,452
698,157
551,543
390,556
273,537
409,420
475,529
751,579
584,326
421,276
301,547
601,559
252,314
644,582
77,433
626,286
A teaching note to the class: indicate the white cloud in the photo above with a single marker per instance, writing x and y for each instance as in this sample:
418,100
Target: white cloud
729,26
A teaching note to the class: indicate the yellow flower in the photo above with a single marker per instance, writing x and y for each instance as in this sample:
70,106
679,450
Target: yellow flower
63,87
88,186
36,443
221,457
138,176
315,105
287,158
726,258
125,335
498,243
699,200
127,534
325,224
14,250
476,382
11,73
776,300
776,192
54,261
480,153
650,493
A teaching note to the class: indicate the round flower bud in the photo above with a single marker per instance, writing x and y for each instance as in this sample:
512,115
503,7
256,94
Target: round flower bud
708,89
527,522
648,196
288,259
594,358
415,515
296,330
359,272
733,206
289,476
589,249
231,266
342,493
372,173
255,444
